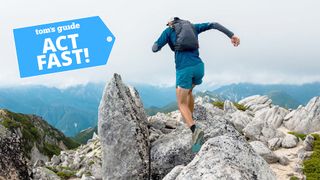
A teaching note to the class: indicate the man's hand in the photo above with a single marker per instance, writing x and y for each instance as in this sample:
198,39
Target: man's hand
235,41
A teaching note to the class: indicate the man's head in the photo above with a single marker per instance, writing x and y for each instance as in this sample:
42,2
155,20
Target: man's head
171,21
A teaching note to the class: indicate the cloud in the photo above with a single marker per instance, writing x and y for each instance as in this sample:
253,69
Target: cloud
278,40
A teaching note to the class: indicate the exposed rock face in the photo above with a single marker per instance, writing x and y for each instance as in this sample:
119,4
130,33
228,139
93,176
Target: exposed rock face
174,148
305,119
256,102
259,130
240,119
273,116
226,157
13,164
263,151
124,133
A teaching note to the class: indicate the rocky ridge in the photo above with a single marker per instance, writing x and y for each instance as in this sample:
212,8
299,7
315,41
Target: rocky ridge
240,144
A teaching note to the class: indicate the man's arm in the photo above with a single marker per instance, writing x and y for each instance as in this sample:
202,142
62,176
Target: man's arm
163,40
214,25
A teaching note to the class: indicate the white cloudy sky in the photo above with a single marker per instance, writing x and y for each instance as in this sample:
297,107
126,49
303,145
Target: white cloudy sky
279,39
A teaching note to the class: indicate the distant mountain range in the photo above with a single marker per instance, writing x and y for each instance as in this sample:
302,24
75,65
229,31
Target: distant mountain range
74,109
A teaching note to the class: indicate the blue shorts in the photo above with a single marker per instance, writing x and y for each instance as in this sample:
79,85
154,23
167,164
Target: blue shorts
190,75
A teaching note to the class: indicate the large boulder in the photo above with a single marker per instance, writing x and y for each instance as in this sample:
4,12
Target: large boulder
225,157
289,141
174,148
123,132
264,151
305,119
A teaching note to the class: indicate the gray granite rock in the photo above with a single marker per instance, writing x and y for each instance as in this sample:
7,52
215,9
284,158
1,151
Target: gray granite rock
229,107
256,102
227,157
174,148
274,143
123,133
289,141
264,151
259,130
305,119
240,119
308,143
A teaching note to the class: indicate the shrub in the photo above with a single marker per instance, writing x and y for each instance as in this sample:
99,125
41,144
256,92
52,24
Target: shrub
311,167
220,104
66,174
298,135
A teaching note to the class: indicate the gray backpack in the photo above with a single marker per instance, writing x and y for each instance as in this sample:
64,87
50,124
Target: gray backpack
187,39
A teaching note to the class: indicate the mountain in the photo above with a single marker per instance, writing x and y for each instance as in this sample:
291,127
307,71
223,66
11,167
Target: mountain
26,140
165,109
290,96
73,109
154,96
83,136
69,110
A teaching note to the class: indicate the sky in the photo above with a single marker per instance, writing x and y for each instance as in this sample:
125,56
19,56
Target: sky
279,40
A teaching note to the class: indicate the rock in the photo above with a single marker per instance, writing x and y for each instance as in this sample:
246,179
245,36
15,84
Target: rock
256,102
289,141
240,119
274,143
55,160
226,157
44,173
163,122
284,161
304,119
272,116
229,107
123,133
264,151
85,177
174,148
13,164
259,130
174,173
308,143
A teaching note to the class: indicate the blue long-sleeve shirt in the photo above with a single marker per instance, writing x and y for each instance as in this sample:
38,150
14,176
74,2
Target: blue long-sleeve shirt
186,58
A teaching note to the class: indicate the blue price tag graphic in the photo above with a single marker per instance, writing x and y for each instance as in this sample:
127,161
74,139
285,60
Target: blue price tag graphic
62,46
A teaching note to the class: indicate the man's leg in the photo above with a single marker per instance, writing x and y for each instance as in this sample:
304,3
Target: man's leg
191,100
183,104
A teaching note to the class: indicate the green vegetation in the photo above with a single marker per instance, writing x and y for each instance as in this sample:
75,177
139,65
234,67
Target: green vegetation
311,167
50,149
66,174
34,131
294,178
298,135
9,124
220,104
85,135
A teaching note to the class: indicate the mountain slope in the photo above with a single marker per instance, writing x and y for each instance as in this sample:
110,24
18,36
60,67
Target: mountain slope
39,139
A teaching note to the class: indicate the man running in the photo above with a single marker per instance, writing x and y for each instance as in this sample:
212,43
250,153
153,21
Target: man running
182,37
